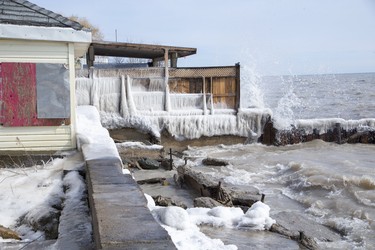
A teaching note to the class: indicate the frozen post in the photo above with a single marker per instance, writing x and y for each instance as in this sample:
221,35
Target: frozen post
124,103
301,235
338,130
170,159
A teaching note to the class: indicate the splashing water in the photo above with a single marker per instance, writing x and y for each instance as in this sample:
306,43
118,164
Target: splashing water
284,116
251,92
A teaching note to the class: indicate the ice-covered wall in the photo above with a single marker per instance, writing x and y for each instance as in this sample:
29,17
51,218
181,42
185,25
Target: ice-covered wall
324,125
246,123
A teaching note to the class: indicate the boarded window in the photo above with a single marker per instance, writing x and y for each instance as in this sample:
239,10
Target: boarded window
19,95
52,83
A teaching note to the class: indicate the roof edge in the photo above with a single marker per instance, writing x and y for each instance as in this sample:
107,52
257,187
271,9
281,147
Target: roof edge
55,34
61,19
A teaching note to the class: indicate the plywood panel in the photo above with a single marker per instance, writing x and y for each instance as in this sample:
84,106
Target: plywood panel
18,89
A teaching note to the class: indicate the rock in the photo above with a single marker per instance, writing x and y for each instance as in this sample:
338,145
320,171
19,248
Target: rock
206,185
214,162
7,233
206,202
149,164
298,223
166,202
300,237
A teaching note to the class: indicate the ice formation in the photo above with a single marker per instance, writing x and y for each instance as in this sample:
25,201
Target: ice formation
91,134
190,116
323,125
182,224
257,217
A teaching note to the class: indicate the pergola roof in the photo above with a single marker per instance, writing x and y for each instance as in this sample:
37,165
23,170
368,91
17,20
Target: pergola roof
134,50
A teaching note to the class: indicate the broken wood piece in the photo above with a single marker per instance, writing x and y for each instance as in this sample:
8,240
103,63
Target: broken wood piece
152,181
7,233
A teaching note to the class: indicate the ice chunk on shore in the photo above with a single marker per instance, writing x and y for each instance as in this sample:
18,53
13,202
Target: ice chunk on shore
257,217
175,217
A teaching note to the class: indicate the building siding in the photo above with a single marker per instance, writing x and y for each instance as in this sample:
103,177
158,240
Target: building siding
38,138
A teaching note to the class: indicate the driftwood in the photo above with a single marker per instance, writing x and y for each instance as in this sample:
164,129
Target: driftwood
152,181
7,233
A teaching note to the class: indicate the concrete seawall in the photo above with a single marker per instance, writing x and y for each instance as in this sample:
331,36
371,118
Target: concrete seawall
121,219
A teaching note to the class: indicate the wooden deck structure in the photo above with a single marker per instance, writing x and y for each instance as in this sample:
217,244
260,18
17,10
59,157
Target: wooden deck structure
220,83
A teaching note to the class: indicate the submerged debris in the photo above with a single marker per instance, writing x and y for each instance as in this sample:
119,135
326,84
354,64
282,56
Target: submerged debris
214,162
7,233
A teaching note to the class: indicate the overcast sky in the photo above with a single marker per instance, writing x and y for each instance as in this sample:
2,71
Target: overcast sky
274,36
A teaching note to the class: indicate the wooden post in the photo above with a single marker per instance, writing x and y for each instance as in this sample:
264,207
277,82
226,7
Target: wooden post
212,96
338,131
238,86
167,106
204,97
90,57
301,235
262,199
174,57
170,159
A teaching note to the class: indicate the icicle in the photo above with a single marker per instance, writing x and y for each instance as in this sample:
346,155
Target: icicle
83,91
156,84
186,101
149,101
132,107
124,103
95,94
212,104
105,94
167,97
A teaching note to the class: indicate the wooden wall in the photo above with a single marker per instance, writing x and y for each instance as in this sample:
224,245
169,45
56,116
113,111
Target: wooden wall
224,89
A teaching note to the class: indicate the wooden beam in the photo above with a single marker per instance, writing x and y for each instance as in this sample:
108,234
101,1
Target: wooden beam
90,57
174,57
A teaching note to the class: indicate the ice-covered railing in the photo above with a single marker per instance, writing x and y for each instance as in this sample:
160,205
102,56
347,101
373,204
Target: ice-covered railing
129,96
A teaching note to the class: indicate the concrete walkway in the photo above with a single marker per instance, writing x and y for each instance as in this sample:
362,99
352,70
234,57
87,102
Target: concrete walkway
121,219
